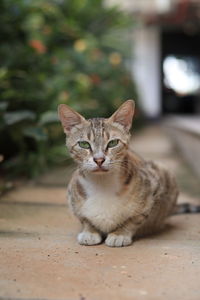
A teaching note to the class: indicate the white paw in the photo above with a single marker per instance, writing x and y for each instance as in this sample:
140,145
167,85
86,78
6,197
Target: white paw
114,240
88,238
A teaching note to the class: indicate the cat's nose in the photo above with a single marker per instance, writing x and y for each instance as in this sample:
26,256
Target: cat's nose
99,161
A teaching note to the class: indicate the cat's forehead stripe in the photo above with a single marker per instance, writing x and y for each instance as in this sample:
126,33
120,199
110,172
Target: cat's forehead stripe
97,128
99,131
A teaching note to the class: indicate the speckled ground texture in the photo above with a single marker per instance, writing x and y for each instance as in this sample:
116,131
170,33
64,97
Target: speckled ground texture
41,259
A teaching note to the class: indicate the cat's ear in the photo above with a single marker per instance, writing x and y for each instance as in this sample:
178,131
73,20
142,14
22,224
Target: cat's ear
69,118
124,114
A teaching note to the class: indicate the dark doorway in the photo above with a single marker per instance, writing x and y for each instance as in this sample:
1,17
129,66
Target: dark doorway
180,72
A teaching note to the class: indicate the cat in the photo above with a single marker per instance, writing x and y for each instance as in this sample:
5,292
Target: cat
115,193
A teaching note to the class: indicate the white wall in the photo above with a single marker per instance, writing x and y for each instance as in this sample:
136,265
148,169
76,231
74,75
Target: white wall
146,68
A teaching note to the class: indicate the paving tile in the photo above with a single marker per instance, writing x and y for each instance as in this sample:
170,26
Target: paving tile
40,258
59,177
33,219
166,266
36,195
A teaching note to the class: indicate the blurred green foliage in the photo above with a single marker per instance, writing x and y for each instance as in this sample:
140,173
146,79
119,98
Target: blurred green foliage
57,51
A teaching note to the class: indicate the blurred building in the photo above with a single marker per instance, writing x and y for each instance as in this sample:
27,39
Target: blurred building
166,58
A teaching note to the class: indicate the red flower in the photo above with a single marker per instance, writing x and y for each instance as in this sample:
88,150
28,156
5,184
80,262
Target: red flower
95,79
38,46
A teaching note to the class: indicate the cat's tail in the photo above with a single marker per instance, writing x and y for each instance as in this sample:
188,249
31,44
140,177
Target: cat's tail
186,208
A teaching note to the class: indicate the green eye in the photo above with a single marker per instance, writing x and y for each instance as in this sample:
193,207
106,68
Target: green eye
112,143
84,144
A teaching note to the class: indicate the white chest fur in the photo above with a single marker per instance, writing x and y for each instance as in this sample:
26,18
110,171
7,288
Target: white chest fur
103,207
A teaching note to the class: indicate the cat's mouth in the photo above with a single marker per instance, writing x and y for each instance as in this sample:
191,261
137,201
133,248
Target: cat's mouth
100,170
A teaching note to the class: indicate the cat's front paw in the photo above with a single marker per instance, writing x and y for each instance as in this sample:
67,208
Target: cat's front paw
89,238
114,240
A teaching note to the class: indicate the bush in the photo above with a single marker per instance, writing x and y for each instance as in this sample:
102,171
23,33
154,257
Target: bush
59,51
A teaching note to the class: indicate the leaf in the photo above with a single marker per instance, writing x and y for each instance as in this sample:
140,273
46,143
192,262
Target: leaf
36,133
3,105
11,118
49,117
59,150
3,73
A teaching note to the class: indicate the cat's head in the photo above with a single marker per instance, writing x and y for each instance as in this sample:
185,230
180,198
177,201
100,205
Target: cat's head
97,145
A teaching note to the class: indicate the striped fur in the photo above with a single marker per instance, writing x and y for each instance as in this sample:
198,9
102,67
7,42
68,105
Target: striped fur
186,208
125,196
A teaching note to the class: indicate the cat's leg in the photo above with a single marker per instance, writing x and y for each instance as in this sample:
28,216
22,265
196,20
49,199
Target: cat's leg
89,235
123,236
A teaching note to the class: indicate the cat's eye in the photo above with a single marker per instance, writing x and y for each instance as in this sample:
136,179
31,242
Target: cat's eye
84,145
113,143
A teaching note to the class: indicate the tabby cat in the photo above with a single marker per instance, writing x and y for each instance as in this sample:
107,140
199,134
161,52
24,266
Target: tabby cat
114,193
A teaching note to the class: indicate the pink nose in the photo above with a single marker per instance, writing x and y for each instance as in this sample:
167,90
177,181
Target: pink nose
99,161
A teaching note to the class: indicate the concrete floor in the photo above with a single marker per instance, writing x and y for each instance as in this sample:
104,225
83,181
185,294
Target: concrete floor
40,258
